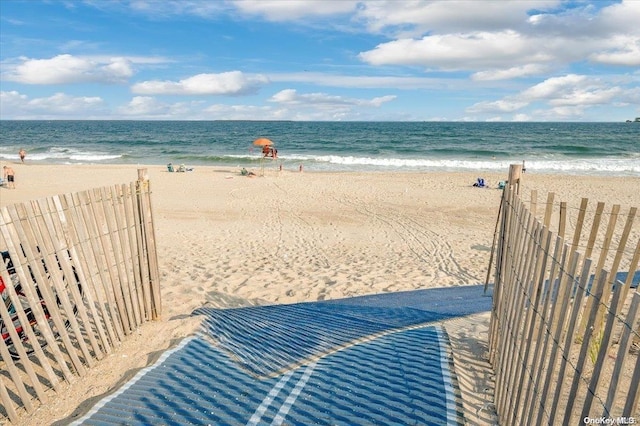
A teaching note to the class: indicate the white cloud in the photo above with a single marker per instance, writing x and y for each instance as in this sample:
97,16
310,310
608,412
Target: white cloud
227,83
554,87
500,40
241,112
420,17
502,105
457,51
145,106
323,106
623,16
625,51
150,108
63,103
567,96
362,81
272,10
588,21
291,97
68,69
521,117
587,96
58,105
288,106
177,7
12,101
510,73
562,113
278,10
378,101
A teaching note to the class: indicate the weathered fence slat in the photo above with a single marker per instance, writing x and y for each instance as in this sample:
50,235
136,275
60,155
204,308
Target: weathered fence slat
548,210
118,260
503,311
557,308
623,351
604,343
564,299
114,283
582,212
633,395
549,318
593,235
57,254
579,291
142,250
604,252
562,225
511,344
24,256
132,247
501,376
4,395
103,283
13,371
84,274
146,214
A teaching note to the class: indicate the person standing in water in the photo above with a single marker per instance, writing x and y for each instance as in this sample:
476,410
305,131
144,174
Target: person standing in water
22,153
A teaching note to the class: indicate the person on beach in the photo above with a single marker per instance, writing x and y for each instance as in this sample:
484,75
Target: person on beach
22,153
269,151
10,176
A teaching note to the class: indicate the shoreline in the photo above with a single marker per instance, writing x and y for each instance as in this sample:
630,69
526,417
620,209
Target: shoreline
226,240
41,180
369,165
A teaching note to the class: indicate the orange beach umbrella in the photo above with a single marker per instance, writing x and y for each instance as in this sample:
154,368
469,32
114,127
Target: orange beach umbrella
262,142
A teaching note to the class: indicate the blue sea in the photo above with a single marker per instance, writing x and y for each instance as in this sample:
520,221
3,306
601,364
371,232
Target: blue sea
611,149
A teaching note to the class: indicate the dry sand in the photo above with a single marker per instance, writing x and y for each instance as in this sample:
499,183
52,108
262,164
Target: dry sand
226,240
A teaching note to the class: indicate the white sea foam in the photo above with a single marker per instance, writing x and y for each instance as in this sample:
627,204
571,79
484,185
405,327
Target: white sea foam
613,166
63,155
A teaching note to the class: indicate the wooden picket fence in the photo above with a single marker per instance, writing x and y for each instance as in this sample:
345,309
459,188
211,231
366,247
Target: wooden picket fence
80,273
564,324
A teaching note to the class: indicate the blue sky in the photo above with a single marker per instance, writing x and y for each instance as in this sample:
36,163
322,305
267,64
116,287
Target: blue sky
342,60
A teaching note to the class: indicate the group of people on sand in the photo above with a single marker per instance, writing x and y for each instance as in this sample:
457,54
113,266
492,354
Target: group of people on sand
9,174
270,151
180,169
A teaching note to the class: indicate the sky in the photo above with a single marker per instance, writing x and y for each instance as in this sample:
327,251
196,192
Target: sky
320,60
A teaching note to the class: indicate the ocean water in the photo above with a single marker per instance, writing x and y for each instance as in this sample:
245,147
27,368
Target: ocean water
611,149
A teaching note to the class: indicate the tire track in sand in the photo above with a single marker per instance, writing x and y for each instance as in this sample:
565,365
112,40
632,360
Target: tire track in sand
426,245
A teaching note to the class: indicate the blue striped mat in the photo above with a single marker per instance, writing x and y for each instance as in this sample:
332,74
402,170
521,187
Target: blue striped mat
374,360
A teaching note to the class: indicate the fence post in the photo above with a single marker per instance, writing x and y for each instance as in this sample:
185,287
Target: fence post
509,194
515,173
146,215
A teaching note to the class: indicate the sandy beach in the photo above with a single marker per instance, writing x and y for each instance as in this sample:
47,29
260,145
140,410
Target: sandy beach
226,240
